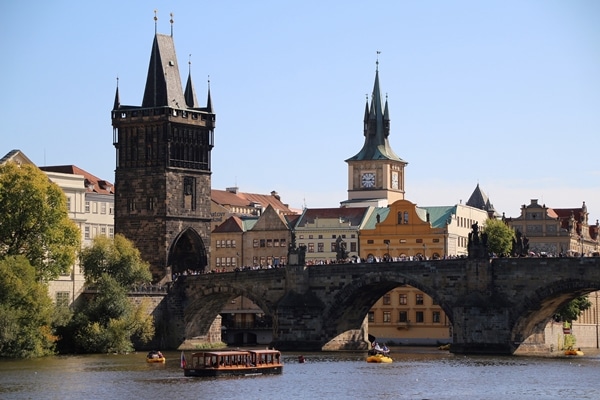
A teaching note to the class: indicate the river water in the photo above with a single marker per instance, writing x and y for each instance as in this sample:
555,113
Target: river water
416,373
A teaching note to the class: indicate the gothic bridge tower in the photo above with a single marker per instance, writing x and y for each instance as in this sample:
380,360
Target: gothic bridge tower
163,168
376,173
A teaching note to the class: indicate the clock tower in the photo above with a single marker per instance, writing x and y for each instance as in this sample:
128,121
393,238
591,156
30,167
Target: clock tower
376,173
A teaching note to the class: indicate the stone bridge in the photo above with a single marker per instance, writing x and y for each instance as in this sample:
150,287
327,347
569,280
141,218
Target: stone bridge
494,305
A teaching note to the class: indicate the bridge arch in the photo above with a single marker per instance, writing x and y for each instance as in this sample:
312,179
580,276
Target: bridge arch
353,301
531,315
207,303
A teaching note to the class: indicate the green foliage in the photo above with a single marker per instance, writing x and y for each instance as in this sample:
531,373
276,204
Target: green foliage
571,310
26,311
107,322
116,257
35,221
499,236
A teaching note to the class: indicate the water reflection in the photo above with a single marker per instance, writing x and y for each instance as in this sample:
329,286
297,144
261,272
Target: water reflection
416,373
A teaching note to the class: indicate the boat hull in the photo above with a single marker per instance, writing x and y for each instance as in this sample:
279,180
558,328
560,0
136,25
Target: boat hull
379,358
160,360
242,371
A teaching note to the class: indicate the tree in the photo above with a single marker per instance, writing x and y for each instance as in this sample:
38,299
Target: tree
570,311
108,321
499,236
35,221
116,257
26,311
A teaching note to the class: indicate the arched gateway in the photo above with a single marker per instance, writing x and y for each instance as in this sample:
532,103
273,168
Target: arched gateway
187,254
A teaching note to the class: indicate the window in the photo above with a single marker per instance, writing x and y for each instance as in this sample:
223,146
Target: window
320,247
282,243
403,299
218,244
95,207
228,243
233,243
62,299
352,246
69,203
371,316
419,316
87,206
103,208
269,242
103,231
387,299
310,236
86,231
263,243
275,242
403,316
400,219
436,317
333,247
419,299
150,203
320,236
255,243
311,248
387,317
406,217
111,232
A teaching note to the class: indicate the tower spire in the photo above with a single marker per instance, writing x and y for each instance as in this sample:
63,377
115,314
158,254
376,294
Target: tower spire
190,93
171,21
117,99
155,22
376,126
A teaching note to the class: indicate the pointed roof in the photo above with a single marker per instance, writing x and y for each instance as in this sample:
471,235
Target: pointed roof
377,129
190,93
16,156
163,84
117,99
481,201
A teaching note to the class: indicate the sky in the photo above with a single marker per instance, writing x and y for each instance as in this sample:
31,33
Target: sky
504,94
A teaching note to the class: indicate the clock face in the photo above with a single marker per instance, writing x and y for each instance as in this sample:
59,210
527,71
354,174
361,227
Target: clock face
394,180
368,180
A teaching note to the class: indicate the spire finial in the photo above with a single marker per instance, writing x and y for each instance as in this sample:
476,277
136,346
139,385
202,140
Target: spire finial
190,63
171,21
208,82
155,22
117,81
377,62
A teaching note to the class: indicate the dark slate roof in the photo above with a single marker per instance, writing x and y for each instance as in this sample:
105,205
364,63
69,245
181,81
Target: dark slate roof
163,84
354,215
481,201
376,146
93,184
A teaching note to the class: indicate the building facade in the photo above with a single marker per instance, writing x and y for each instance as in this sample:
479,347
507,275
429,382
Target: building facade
556,231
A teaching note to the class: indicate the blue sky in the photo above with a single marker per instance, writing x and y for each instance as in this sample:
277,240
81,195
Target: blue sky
501,93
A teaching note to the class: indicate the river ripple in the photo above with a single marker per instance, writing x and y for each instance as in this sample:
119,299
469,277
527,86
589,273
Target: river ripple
416,373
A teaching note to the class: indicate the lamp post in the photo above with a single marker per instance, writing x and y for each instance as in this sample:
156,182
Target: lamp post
424,251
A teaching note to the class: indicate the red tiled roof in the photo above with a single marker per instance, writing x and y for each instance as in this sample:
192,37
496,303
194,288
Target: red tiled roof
241,199
93,184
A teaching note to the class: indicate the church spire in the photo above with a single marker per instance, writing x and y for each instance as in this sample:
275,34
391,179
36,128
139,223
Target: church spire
377,127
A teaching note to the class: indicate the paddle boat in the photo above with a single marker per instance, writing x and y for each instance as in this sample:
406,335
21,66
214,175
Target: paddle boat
155,357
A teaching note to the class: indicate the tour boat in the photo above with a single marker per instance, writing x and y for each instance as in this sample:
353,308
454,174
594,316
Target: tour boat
234,363
376,357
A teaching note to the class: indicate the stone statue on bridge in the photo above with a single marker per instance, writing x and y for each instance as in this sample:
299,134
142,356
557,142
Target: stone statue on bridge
477,245
341,252
296,255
